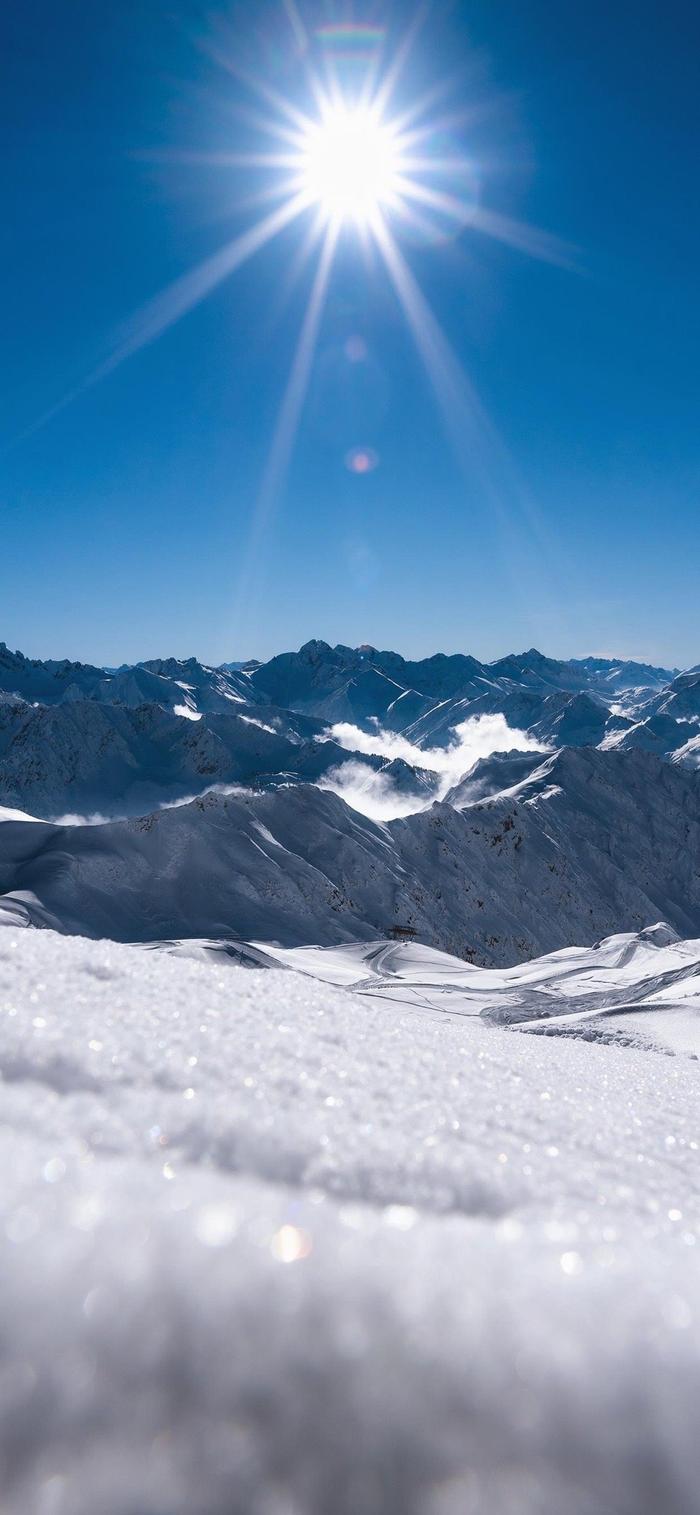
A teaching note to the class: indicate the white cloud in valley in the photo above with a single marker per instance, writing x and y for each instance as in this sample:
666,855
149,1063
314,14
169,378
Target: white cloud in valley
371,791
374,792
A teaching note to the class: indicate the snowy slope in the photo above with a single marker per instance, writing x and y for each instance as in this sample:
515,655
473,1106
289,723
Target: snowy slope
268,1247
83,757
642,987
588,844
492,775
168,682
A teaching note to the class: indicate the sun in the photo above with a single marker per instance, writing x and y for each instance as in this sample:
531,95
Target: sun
350,163
351,156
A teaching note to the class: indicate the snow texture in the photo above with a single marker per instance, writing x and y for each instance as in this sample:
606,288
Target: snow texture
272,1248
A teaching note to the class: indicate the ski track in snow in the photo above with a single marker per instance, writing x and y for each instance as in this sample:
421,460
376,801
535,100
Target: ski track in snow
273,1248
643,987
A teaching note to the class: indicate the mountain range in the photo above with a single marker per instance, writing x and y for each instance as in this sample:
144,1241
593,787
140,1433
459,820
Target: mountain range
495,811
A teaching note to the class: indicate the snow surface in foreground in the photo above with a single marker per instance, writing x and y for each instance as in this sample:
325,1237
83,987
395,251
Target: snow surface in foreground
270,1248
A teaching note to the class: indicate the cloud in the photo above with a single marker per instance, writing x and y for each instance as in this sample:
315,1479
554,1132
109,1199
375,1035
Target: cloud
249,720
375,795
475,738
371,792
95,818
201,794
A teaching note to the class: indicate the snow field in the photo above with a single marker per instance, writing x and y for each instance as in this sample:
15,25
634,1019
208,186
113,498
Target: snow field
269,1248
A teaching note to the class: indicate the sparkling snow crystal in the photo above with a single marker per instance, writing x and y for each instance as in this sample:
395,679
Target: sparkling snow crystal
269,1248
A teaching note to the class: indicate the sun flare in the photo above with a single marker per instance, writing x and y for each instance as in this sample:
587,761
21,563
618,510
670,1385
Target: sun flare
350,163
350,157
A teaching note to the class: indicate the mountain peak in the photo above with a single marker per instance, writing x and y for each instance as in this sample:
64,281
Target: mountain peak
314,648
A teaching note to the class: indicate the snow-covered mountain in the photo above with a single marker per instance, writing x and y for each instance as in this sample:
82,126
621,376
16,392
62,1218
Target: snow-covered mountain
77,738
586,844
318,678
184,686
497,810
88,756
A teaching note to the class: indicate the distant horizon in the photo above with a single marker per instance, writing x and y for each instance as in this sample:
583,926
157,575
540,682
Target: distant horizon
460,651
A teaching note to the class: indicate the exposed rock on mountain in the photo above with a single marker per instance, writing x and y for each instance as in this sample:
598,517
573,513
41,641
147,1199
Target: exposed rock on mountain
527,851
588,843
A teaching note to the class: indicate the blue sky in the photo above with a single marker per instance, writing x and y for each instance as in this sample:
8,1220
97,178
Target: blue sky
571,522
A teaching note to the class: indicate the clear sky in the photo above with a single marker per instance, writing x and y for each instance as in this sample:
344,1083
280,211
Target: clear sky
131,520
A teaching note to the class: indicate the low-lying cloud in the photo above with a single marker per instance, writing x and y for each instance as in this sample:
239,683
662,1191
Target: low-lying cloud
375,794
250,720
371,791
95,818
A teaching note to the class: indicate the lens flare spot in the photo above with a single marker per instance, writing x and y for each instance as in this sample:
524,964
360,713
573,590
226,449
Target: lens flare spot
361,460
290,1244
356,350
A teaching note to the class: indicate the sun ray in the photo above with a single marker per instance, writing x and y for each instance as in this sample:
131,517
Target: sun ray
192,287
272,97
419,107
403,52
475,440
172,304
454,120
476,444
454,392
449,205
269,126
297,382
413,218
236,204
312,237
297,25
436,165
288,420
527,239
192,157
